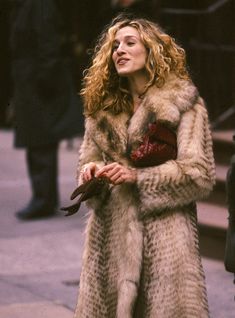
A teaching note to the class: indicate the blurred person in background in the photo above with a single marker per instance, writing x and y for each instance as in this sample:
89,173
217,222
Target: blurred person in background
229,259
141,255
45,102
5,78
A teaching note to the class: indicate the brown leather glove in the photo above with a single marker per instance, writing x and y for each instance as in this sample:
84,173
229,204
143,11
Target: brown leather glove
87,190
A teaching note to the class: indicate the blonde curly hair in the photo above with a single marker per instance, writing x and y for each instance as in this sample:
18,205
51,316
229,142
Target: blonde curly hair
104,89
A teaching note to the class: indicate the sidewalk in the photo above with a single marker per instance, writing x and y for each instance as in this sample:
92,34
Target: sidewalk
40,261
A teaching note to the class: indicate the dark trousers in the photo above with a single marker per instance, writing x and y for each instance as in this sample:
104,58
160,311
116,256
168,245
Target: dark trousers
42,165
229,258
230,184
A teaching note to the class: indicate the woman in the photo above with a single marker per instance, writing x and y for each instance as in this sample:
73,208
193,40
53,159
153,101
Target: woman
141,256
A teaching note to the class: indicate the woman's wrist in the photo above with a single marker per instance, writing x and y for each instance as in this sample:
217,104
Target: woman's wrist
134,175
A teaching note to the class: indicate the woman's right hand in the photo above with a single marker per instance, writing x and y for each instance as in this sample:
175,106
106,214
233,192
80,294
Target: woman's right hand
88,171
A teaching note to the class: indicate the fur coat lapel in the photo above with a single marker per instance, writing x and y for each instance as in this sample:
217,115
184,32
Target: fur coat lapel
109,132
164,104
113,133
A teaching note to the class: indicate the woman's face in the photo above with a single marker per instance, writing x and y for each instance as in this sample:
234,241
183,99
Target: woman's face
129,53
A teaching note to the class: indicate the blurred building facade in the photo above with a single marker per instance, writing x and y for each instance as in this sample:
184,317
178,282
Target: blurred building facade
206,30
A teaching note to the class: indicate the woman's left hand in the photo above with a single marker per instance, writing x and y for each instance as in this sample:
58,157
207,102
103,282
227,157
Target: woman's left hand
117,174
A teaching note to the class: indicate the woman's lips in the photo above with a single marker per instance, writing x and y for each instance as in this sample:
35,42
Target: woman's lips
122,61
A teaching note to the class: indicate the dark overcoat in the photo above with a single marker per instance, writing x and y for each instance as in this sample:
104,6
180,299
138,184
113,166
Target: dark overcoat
45,101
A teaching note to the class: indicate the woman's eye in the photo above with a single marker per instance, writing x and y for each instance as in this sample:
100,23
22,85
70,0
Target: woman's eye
115,47
129,43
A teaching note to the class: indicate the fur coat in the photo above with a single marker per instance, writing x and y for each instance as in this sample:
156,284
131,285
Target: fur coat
141,256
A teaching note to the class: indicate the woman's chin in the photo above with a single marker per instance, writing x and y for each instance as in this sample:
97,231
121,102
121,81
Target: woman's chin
124,73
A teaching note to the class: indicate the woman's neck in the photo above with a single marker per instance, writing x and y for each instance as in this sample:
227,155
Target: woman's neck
136,101
137,86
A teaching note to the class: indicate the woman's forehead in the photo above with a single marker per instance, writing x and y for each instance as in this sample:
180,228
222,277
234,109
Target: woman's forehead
127,31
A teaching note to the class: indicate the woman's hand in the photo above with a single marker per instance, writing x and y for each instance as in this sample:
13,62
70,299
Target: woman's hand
117,174
88,171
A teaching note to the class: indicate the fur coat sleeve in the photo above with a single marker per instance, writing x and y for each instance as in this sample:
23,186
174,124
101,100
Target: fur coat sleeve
187,179
90,152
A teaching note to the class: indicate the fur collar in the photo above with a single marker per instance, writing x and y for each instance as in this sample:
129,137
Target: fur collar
174,98
113,133
165,104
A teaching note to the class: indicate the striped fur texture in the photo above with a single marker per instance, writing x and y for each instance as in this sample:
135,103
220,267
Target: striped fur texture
141,256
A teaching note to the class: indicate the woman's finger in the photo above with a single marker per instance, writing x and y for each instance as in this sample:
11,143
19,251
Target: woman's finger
119,180
115,176
108,168
88,172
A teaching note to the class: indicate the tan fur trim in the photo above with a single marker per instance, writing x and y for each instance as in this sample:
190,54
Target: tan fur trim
110,134
165,104
175,97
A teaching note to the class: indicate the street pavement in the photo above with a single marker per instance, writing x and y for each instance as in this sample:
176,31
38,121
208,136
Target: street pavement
40,261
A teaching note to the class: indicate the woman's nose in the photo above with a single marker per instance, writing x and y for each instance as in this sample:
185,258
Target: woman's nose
120,49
